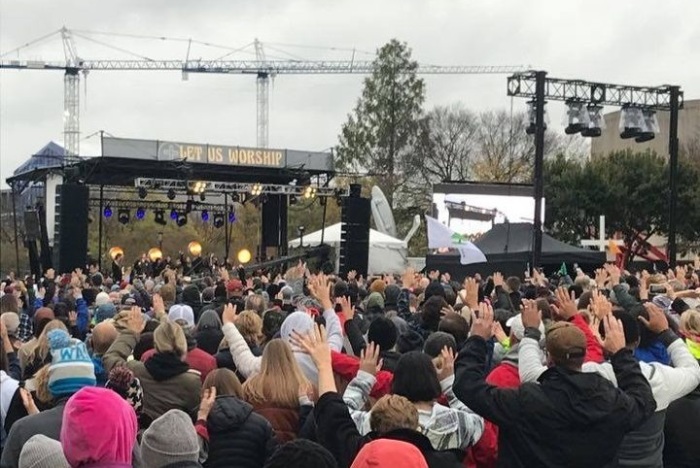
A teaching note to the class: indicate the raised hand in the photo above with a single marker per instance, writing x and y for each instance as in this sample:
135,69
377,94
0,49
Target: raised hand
482,324
321,290
658,322
445,366
315,344
369,359
229,314
600,305
471,293
497,279
158,306
614,274
614,334
498,332
134,320
206,403
567,304
348,308
601,277
28,401
530,314
72,318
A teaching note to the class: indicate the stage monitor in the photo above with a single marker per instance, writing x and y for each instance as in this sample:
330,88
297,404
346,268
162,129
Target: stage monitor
473,208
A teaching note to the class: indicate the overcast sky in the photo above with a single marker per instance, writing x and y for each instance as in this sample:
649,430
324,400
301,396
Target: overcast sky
644,42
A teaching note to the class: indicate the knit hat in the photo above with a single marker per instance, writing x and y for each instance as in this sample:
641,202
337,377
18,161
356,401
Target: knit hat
375,300
438,340
387,453
301,452
170,439
391,294
98,427
409,341
382,332
122,381
565,341
102,299
208,294
517,328
181,312
105,312
301,322
71,367
41,452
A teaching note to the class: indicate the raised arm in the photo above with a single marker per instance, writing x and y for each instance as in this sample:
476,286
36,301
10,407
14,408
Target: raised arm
246,362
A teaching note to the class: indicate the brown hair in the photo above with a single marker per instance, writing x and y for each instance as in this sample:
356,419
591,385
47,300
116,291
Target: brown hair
169,338
41,351
250,326
167,292
279,380
393,412
225,382
9,303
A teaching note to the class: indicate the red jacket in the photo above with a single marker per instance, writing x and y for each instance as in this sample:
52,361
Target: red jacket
594,351
197,359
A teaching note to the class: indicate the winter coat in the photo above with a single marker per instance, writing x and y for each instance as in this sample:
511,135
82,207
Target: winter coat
198,360
284,421
643,446
209,339
337,432
453,427
237,435
573,419
682,431
180,391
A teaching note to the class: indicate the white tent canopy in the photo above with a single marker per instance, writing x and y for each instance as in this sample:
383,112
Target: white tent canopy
386,254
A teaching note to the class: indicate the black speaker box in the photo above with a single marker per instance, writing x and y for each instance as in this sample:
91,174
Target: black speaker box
354,237
71,227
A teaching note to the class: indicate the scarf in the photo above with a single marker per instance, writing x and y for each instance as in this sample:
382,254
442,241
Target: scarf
164,366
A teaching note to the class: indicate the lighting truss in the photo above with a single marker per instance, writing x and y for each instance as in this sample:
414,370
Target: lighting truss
235,187
151,205
557,89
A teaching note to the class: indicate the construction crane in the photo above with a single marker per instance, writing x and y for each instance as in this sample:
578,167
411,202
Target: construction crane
73,66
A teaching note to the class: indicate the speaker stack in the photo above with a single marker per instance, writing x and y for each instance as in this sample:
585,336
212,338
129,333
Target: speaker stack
354,232
71,227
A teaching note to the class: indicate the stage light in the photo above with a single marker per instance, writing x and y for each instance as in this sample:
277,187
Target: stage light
532,118
195,248
310,192
123,216
189,205
160,217
143,193
205,215
203,196
256,190
140,212
198,186
631,122
231,216
650,127
244,256
577,118
596,121
114,251
292,200
181,219
155,254
171,194
107,211
218,220
173,214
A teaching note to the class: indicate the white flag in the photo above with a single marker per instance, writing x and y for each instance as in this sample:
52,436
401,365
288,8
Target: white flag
441,236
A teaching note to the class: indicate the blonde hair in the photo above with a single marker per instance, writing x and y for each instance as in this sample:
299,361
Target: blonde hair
41,383
393,412
690,322
280,378
250,326
169,338
225,382
41,351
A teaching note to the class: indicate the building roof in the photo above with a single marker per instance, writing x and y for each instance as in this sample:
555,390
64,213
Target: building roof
51,155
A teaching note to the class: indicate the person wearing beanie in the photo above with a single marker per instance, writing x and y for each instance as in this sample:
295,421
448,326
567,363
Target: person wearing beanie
386,453
375,303
208,334
409,341
104,312
301,453
101,299
123,382
70,370
171,440
167,380
192,298
568,414
42,452
99,429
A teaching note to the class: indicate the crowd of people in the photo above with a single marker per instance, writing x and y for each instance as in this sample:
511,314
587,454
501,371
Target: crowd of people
158,369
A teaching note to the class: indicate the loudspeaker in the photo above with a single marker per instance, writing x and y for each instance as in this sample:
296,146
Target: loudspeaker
71,228
274,223
354,235
31,225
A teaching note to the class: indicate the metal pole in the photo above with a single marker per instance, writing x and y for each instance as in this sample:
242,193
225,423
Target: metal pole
673,174
14,219
540,77
323,224
99,235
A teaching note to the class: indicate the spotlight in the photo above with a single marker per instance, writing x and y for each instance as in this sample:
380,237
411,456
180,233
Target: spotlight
197,187
140,212
107,211
532,118
231,216
292,200
631,122
160,217
181,219
173,214
143,193
577,118
218,220
650,127
205,215
171,194
256,190
189,205
123,216
310,192
596,121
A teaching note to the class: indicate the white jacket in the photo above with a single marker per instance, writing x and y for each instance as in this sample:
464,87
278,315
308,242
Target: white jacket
667,383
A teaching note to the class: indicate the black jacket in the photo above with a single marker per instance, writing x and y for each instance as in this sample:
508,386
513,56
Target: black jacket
209,339
238,436
336,431
569,418
682,432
